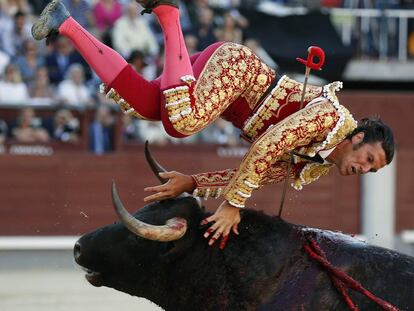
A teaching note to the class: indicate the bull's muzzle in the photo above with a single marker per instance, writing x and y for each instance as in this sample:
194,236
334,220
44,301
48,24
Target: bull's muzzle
174,228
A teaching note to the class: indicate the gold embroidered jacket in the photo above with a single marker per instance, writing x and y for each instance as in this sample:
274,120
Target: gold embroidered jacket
231,86
316,127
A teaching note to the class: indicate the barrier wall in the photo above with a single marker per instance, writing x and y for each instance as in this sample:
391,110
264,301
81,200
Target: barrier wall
70,193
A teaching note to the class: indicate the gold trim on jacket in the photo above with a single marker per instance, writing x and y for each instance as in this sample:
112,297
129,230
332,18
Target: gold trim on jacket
314,128
232,71
286,92
122,103
345,125
299,129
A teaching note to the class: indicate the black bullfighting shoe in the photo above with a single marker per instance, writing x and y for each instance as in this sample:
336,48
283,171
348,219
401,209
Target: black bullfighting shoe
149,5
52,16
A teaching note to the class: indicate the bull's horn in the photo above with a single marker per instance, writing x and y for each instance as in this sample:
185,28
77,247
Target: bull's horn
155,166
173,229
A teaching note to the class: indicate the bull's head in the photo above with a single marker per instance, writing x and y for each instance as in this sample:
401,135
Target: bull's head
131,255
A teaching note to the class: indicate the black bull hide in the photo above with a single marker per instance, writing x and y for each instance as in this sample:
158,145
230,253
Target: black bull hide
264,268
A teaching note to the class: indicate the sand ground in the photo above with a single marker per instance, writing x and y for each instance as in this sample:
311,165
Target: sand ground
52,282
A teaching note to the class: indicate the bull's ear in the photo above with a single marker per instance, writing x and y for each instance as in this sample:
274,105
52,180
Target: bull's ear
175,249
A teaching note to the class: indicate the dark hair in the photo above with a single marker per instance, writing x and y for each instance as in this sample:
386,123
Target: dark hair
19,14
136,54
376,131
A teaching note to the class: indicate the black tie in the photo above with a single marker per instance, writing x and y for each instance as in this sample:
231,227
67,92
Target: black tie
317,158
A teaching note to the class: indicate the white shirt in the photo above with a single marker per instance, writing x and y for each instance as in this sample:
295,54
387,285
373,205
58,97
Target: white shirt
325,153
73,94
129,35
13,93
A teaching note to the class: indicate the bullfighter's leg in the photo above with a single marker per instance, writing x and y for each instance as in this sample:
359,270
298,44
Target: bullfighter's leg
144,96
197,95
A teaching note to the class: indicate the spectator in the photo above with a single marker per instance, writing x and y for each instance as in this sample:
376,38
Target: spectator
40,89
29,128
153,132
14,6
15,36
65,127
139,63
205,29
224,4
194,8
222,133
106,12
80,11
72,90
229,31
12,89
132,32
59,60
130,130
30,61
137,60
101,131
4,61
5,21
331,3
185,21
3,132
191,42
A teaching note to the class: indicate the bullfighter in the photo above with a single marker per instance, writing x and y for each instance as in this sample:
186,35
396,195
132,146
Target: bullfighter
228,80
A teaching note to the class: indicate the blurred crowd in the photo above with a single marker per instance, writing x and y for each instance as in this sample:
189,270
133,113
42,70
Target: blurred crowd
34,74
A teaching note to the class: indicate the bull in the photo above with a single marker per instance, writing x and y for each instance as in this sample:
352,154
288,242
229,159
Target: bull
159,253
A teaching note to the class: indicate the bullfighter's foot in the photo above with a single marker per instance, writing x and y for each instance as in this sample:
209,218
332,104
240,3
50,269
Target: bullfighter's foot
52,16
149,5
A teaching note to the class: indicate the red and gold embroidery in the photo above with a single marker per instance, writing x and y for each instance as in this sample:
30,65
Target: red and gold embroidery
345,125
178,104
211,184
122,103
310,173
299,129
283,100
232,71
318,127
277,172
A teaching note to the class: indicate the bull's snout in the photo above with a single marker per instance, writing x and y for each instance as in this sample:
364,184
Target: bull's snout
93,277
77,252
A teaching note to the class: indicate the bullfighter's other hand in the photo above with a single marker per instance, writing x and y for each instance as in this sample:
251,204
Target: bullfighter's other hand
226,219
177,183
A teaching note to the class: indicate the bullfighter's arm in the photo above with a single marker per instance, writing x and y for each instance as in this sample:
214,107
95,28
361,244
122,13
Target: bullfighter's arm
211,184
299,129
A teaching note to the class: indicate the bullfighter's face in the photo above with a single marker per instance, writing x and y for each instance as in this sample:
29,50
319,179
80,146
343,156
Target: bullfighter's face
356,157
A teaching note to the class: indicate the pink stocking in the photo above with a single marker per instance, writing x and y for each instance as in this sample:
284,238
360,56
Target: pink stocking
177,62
106,62
114,71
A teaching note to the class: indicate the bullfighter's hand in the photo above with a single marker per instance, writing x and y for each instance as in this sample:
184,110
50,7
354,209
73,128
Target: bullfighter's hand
226,219
177,183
